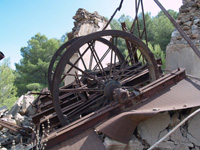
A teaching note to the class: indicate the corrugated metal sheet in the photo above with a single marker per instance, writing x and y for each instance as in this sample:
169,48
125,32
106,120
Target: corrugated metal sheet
185,94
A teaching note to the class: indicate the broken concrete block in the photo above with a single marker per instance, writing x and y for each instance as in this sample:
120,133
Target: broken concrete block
150,130
15,109
193,130
113,145
134,144
193,140
178,138
26,106
181,147
3,109
166,145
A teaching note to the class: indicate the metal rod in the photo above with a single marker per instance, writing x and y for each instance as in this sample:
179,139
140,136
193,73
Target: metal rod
196,50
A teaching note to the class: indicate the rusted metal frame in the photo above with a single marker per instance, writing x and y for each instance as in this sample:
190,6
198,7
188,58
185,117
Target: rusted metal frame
131,71
84,106
93,52
129,47
158,85
71,64
154,88
82,60
48,110
136,13
118,9
135,73
81,125
53,116
144,22
14,127
110,74
103,114
75,63
184,35
81,90
121,72
102,58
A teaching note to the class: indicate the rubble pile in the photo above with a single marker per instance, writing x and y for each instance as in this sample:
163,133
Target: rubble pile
92,22
18,133
189,20
187,137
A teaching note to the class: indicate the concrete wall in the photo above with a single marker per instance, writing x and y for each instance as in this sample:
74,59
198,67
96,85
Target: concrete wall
182,56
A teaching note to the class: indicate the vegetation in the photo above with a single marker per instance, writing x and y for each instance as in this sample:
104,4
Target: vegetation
31,72
159,28
7,88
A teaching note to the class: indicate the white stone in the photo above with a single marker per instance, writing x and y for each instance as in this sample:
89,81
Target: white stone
181,147
193,140
150,129
16,107
26,106
134,144
166,145
193,130
113,145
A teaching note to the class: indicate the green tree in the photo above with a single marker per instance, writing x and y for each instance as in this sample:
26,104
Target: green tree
162,29
158,53
32,70
7,88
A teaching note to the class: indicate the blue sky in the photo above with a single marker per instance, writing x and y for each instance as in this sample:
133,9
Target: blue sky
22,19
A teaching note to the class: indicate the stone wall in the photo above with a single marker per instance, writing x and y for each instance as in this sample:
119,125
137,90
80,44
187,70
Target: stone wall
178,52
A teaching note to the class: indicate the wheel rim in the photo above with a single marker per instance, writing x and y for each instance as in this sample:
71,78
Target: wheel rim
99,81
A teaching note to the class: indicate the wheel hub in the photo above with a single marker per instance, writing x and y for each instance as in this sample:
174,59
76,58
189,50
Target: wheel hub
109,88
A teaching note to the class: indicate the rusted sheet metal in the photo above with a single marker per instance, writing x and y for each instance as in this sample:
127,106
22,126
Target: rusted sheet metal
122,126
91,120
184,94
1,55
87,140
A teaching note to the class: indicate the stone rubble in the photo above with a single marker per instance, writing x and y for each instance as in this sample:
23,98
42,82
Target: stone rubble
189,20
150,131
19,114
86,23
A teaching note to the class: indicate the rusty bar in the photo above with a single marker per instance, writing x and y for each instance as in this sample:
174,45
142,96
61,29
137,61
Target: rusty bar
144,22
196,50
118,9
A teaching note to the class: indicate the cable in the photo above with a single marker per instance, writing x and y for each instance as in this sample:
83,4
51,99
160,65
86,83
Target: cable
181,123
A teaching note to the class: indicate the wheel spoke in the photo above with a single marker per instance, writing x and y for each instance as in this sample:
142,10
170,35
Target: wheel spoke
83,72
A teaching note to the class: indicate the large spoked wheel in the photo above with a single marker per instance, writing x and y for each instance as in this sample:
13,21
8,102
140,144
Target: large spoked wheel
56,57
93,67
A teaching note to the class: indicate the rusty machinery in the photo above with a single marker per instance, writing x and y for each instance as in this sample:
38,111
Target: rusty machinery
102,82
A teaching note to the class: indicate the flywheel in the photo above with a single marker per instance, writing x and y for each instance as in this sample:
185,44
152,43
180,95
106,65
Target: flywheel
92,67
